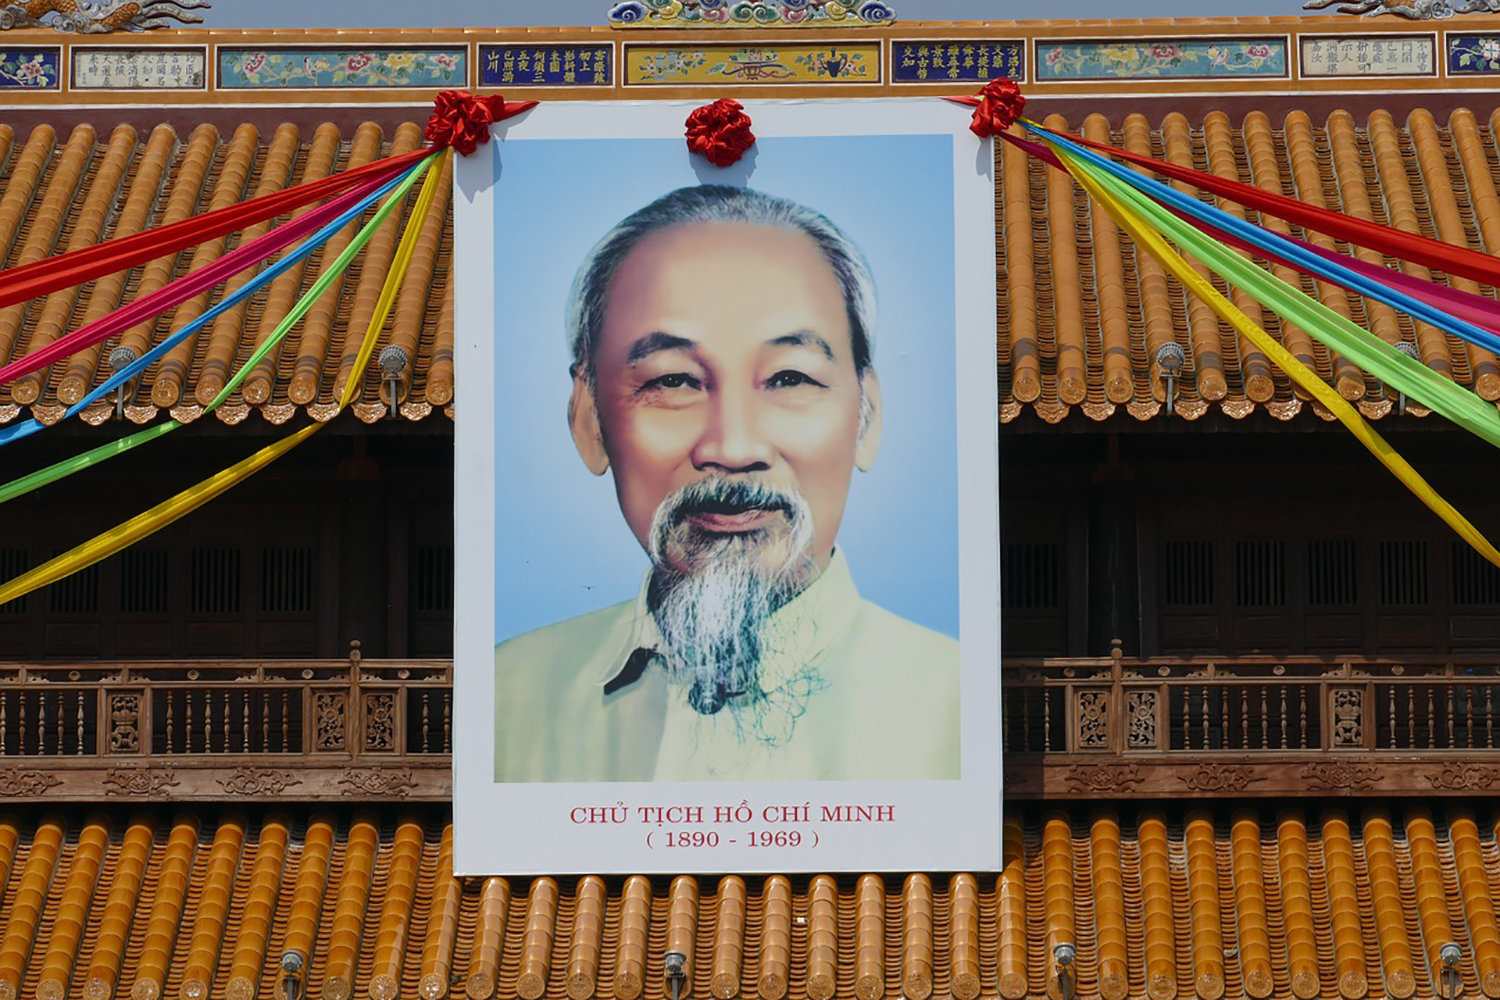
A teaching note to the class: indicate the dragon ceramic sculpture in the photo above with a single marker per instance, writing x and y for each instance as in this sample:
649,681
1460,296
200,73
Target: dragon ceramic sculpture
750,13
1416,10
85,18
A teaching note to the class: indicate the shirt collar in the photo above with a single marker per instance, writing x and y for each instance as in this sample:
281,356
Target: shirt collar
796,635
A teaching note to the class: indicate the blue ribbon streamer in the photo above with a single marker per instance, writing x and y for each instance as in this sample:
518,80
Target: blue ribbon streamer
317,239
1278,245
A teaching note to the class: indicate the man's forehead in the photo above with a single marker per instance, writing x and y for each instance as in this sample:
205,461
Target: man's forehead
662,247
772,282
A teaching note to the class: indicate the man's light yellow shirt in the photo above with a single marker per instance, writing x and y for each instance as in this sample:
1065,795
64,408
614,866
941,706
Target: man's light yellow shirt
885,705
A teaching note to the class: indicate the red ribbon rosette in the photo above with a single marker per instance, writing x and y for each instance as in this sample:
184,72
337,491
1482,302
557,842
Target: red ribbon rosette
720,131
462,120
996,108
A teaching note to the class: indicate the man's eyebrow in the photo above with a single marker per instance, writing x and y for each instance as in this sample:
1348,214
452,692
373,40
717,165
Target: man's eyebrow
804,338
653,342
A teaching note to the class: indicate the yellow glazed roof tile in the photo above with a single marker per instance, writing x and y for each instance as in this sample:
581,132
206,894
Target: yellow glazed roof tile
1332,905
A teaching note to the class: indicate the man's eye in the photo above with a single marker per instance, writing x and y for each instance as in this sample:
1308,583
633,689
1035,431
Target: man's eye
675,380
791,378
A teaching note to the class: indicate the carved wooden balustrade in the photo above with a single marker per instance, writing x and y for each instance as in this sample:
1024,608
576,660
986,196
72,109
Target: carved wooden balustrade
1121,727
1104,727
350,729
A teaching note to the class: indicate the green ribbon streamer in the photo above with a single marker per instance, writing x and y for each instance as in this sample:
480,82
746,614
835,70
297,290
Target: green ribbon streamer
1339,333
95,456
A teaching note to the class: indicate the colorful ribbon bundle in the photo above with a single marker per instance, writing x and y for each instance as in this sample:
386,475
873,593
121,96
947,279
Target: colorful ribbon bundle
1157,215
163,514
460,120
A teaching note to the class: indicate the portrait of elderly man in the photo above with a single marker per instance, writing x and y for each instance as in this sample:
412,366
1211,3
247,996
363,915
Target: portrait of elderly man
723,375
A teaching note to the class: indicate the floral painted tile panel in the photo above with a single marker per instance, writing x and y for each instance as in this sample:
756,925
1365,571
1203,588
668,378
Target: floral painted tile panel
674,65
546,65
1166,58
1473,54
31,68
960,60
275,68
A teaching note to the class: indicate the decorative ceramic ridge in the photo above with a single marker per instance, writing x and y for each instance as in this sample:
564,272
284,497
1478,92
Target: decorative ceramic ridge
80,17
1416,10
750,13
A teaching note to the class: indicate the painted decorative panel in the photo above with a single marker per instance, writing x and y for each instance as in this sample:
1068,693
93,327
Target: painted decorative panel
275,68
1164,58
956,60
1368,55
546,65
119,68
750,13
32,68
1468,54
675,65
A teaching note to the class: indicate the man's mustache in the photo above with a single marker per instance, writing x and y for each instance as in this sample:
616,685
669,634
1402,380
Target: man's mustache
726,496
716,495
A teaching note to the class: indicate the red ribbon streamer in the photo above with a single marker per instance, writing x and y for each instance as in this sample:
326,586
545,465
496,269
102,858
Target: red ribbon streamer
1417,249
720,131
462,120
185,287
45,276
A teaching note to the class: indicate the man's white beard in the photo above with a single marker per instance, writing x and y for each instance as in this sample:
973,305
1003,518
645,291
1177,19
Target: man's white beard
713,593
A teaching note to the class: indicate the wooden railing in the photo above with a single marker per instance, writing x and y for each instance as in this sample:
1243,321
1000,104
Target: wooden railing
1251,725
1104,727
310,729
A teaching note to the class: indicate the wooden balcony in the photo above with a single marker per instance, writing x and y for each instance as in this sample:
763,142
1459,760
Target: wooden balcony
1116,727
355,729
1107,727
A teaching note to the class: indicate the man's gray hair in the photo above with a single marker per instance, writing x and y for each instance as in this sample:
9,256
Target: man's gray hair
718,203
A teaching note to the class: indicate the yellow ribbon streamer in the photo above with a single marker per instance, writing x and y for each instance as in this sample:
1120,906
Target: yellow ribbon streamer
1148,237
124,535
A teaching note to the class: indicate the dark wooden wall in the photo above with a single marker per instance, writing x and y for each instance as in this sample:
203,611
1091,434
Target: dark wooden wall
1199,538
349,537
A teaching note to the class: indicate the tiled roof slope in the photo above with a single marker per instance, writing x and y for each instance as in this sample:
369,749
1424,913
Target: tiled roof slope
1081,313
1328,905
68,191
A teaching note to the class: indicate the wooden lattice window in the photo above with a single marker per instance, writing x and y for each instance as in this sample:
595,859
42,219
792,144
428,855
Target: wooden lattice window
1404,576
144,580
215,580
432,583
1259,574
13,562
1188,573
286,579
78,593
1475,579
1029,575
1332,572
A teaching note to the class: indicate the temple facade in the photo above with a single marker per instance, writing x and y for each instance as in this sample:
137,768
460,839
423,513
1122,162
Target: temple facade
1250,684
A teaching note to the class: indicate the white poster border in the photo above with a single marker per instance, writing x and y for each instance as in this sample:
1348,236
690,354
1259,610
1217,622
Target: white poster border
854,826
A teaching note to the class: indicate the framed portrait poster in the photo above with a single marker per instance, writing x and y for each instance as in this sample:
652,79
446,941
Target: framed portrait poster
727,494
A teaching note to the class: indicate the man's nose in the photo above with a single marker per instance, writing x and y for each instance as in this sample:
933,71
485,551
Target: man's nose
732,441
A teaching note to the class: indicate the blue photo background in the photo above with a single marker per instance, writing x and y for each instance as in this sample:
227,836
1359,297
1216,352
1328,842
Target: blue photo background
561,545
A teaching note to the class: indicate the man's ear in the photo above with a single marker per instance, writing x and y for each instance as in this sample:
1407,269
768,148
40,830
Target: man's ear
583,421
870,421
